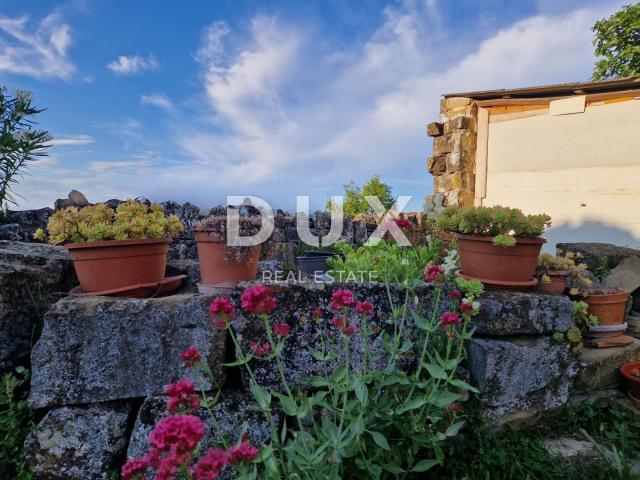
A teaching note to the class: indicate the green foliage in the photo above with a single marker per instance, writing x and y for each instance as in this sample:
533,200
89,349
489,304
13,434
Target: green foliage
131,220
581,316
503,223
479,454
617,39
384,262
16,421
355,203
20,143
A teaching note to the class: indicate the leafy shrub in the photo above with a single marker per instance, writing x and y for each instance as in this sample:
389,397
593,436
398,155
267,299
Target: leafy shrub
503,223
131,220
16,421
357,422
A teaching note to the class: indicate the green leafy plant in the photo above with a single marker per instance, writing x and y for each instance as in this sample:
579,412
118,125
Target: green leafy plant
384,262
131,220
617,43
16,421
357,421
504,224
20,142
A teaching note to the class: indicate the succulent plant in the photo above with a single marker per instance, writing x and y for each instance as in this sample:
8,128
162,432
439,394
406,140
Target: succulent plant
131,220
505,224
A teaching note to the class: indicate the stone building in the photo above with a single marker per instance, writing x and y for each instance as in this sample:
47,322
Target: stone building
569,150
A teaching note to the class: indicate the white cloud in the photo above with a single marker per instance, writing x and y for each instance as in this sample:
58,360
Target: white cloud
159,100
132,65
71,140
113,167
36,50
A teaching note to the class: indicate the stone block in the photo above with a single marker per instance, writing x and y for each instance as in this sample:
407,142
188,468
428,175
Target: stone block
188,267
97,349
456,102
467,111
33,276
599,366
188,213
520,377
437,164
441,145
29,221
466,198
78,443
434,129
465,142
597,255
234,414
516,313
460,123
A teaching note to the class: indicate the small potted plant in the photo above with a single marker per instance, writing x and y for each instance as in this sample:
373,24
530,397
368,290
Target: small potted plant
112,249
631,373
223,265
608,304
557,272
497,245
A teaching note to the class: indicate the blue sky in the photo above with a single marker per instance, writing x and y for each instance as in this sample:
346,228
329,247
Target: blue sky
197,100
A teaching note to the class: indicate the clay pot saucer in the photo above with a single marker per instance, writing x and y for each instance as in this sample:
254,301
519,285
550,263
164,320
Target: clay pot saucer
140,290
501,285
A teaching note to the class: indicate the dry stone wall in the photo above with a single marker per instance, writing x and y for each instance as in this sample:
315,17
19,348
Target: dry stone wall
452,160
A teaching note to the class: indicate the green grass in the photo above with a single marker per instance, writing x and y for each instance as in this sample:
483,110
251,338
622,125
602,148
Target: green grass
521,454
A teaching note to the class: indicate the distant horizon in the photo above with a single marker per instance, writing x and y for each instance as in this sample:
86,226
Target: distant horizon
272,99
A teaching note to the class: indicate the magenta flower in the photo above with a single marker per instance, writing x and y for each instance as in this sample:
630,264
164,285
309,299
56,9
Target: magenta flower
260,349
243,452
258,300
466,307
172,443
349,330
281,329
341,299
338,322
364,308
190,357
134,469
455,294
404,224
210,465
182,396
449,318
432,272
222,307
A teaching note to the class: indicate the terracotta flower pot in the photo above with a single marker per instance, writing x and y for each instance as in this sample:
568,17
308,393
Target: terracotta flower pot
216,268
609,308
480,258
557,284
632,382
115,264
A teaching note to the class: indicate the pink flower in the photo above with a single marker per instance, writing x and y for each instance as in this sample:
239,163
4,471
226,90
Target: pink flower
349,330
281,329
210,465
338,322
134,469
241,452
455,294
220,323
466,307
222,307
191,356
181,433
182,396
258,301
260,350
449,318
317,313
404,224
364,308
341,299
432,272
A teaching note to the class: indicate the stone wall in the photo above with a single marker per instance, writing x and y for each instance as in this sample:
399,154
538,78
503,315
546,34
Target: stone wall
101,363
452,160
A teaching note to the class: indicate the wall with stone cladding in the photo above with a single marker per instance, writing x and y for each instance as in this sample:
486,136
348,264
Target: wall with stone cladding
452,160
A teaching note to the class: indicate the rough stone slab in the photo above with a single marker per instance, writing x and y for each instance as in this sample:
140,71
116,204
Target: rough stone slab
593,253
32,277
235,414
79,443
29,221
514,313
96,349
599,366
520,377
434,129
626,275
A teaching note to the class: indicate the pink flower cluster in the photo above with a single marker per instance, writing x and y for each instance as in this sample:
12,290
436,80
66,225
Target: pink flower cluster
182,396
341,300
191,357
216,459
223,312
260,349
258,300
172,444
432,273
449,318
281,329
404,224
